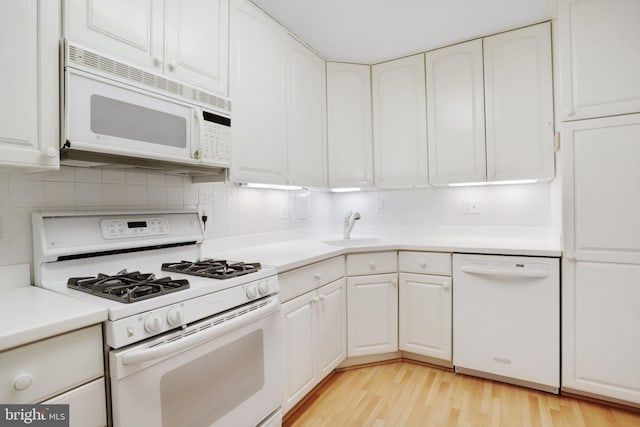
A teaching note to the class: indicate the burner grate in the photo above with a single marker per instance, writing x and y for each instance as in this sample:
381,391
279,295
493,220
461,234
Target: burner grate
212,268
127,287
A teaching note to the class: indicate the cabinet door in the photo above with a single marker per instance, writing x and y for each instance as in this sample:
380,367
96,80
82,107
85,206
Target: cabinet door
399,123
455,114
519,104
29,33
600,187
425,315
257,87
601,329
306,139
599,58
298,351
130,29
197,40
332,326
372,309
349,125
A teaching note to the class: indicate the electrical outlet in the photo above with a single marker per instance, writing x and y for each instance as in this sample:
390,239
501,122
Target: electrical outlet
471,207
380,205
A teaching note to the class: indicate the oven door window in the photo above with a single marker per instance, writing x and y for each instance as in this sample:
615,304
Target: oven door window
238,369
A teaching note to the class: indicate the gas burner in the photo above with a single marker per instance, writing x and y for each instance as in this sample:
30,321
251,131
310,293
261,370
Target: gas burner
212,268
127,287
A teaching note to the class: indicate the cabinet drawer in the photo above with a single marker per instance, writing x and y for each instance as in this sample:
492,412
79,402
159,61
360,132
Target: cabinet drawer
302,280
425,263
372,263
37,371
87,404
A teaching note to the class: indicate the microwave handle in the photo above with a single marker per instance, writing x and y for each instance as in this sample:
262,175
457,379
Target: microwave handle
197,132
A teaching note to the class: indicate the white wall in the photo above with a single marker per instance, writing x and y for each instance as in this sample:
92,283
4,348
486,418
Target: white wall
234,211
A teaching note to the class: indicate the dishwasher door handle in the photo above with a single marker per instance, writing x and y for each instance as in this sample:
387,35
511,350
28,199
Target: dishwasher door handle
487,271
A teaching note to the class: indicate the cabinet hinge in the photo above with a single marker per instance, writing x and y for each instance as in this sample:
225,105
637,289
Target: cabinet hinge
556,140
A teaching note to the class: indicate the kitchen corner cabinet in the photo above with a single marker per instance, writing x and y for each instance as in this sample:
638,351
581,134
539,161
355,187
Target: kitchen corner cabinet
500,86
29,135
307,123
185,40
350,144
399,123
314,337
601,262
279,102
372,303
599,61
425,304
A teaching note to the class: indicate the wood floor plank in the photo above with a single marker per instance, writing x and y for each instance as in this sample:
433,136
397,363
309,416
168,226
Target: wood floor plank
404,394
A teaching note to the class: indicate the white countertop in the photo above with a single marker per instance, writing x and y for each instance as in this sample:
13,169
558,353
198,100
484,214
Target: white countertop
28,314
289,254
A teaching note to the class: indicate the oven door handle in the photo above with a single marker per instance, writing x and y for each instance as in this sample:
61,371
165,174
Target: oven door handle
199,336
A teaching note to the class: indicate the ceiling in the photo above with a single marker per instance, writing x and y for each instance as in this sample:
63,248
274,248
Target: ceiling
371,31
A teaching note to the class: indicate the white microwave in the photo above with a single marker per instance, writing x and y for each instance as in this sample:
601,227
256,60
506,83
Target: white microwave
118,114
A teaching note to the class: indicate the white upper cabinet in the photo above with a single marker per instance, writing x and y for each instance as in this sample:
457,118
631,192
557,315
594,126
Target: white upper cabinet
490,102
307,124
399,123
518,87
455,114
29,136
259,57
599,57
184,39
350,150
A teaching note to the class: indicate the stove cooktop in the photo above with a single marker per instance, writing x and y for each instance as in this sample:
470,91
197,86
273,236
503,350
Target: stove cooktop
212,268
127,287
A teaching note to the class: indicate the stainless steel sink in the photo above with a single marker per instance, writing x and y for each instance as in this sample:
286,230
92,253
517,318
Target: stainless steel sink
352,242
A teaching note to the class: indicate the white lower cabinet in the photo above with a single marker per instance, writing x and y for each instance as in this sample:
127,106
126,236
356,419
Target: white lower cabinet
314,338
372,314
86,405
425,315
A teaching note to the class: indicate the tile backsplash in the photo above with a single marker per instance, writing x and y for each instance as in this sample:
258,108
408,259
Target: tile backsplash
230,210
234,211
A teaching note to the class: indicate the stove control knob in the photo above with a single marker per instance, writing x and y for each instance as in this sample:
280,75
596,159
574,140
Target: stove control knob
175,317
252,291
152,324
263,287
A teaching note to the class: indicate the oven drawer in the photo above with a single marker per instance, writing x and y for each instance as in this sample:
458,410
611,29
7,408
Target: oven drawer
37,371
425,263
302,280
372,263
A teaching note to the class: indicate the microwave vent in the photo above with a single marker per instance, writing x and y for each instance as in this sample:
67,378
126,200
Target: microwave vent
88,59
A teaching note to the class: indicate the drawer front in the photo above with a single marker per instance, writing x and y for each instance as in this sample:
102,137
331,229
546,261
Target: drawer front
302,280
37,371
372,263
425,263
87,404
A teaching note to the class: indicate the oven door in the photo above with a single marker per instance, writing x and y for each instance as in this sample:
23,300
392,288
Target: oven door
223,371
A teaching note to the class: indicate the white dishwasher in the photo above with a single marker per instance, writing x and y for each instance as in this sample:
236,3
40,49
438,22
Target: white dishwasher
506,319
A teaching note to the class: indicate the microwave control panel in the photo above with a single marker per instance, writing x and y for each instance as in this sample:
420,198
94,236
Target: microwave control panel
215,142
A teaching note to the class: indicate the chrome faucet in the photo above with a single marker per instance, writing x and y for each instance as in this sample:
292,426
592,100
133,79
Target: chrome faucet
349,221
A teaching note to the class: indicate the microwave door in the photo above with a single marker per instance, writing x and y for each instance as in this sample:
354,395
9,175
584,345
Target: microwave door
107,117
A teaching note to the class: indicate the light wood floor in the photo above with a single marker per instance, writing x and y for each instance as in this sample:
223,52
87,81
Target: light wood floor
408,394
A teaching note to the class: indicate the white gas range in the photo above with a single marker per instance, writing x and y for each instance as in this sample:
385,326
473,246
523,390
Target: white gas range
181,328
